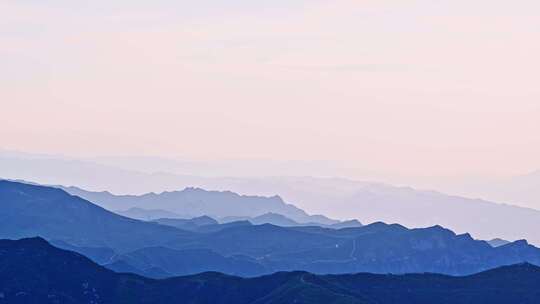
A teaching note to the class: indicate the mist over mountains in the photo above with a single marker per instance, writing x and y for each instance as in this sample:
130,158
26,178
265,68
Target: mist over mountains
522,189
333,197
281,252
269,152
168,248
193,202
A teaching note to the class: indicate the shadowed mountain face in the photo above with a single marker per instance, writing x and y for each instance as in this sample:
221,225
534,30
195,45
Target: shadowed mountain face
29,210
76,224
195,202
32,271
377,248
166,262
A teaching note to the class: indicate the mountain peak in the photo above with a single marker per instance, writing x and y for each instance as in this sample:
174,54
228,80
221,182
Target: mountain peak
31,241
519,243
497,242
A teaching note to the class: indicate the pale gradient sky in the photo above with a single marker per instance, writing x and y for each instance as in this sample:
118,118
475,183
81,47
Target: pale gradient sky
446,88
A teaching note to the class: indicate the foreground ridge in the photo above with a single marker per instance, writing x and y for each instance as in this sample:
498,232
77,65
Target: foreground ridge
33,271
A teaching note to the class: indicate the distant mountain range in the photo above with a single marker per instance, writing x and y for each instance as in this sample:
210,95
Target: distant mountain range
148,214
281,220
521,190
76,224
414,208
32,271
371,202
186,222
193,202
333,197
498,242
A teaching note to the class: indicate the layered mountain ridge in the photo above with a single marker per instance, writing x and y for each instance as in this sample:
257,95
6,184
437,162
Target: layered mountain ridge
334,197
32,271
76,224
193,202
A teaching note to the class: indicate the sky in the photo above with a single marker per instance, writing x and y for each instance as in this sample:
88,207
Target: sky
395,88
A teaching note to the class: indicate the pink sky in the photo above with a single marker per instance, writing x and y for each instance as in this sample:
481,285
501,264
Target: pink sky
397,87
